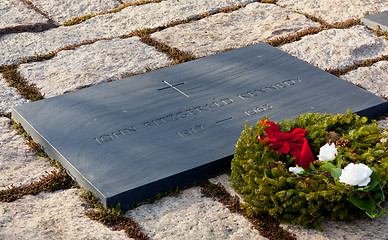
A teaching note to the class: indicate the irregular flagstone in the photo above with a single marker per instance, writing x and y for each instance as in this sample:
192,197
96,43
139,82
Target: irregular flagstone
62,10
338,48
335,11
224,180
374,78
57,215
383,123
18,46
92,64
15,13
9,97
358,229
18,164
191,216
231,30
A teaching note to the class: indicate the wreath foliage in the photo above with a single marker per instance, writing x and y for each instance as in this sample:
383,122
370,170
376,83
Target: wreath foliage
261,175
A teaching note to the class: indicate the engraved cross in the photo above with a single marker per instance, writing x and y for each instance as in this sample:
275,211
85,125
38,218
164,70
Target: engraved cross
174,87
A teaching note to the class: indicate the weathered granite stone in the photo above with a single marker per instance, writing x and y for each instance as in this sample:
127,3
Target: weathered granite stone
224,180
9,97
373,229
230,30
14,47
191,216
15,13
374,78
18,164
92,64
383,123
62,10
335,11
57,215
338,48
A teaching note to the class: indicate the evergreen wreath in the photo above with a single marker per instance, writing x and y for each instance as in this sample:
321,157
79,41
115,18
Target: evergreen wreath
263,177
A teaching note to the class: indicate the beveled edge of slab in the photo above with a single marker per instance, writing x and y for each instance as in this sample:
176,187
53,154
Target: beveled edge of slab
371,20
54,153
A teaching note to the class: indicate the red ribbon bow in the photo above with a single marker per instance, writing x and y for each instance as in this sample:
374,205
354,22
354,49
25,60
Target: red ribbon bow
293,142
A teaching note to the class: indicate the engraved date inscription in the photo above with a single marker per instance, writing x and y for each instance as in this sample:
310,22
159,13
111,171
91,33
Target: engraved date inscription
191,131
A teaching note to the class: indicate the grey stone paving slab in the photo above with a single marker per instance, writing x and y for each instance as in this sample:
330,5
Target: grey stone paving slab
58,215
379,20
231,30
191,216
15,13
224,180
383,123
9,97
373,229
17,46
63,10
338,48
18,164
335,11
92,64
374,78
131,139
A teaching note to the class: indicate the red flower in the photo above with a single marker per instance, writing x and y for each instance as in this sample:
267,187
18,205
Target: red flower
293,142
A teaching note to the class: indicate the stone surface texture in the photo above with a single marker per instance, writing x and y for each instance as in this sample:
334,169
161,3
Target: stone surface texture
18,46
375,229
374,78
335,11
92,64
9,97
14,13
338,48
191,216
63,10
230,30
58,215
224,180
18,164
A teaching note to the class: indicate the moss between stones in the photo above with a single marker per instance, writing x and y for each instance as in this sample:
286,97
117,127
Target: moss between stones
265,224
365,63
79,20
13,77
6,115
36,9
112,217
177,55
311,31
56,180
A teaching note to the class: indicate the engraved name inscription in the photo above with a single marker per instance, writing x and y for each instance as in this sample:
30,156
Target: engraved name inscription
116,134
186,113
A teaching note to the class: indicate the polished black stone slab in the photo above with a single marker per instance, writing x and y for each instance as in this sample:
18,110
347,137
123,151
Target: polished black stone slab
378,19
131,139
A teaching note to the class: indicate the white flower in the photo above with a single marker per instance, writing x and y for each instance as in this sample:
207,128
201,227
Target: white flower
356,174
296,170
327,152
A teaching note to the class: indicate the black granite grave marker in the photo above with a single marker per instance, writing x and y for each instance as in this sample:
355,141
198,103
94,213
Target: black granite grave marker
378,19
131,139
